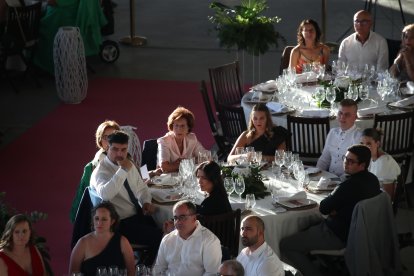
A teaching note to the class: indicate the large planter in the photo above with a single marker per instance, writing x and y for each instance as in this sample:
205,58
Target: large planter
70,65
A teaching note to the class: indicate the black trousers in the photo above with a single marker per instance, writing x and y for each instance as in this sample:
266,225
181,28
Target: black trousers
142,230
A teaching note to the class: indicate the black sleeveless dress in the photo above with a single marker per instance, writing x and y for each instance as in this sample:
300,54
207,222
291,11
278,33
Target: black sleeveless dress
269,145
110,256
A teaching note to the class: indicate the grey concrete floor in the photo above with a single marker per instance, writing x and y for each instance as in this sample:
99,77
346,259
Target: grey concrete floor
182,46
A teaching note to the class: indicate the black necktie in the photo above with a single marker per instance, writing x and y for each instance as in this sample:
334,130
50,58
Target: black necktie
134,200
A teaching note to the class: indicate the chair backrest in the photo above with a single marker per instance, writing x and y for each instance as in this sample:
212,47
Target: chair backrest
82,223
393,49
372,247
149,154
226,84
308,135
285,58
23,24
233,122
215,126
397,138
227,228
134,145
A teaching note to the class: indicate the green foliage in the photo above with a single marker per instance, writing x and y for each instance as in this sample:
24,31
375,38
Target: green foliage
244,27
6,212
253,182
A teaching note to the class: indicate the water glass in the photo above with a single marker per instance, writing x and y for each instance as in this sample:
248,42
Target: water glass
113,270
258,157
141,270
239,186
363,90
229,185
250,201
101,271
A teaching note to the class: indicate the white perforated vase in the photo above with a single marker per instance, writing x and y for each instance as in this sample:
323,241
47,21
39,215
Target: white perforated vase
70,65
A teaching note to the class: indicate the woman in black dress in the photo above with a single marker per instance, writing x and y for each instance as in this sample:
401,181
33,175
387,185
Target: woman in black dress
261,134
209,178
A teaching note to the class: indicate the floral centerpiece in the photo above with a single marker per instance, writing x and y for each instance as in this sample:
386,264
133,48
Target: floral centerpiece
7,212
252,179
341,86
243,26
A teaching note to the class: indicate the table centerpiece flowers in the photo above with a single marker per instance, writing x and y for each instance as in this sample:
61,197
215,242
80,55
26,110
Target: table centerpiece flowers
253,180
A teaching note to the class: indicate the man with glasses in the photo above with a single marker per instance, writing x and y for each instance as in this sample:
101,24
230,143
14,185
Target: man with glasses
340,138
191,249
332,233
364,46
257,258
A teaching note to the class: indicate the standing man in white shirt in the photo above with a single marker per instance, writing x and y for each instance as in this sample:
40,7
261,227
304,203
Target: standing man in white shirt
257,258
364,46
340,138
191,249
116,179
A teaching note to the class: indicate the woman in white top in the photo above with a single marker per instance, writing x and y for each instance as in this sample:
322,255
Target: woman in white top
179,143
382,164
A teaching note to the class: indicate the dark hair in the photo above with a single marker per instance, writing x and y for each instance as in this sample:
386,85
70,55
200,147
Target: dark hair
112,212
349,102
236,267
269,123
101,129
363,154
118,137
7,237
181,113
190,206
373,133
301,39
212,172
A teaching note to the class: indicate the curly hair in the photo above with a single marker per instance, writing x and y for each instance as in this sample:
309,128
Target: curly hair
269,124
101,130
7,237
181,113
301,39
112,213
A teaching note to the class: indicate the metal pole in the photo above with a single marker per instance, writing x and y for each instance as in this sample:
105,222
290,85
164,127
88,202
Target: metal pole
132,39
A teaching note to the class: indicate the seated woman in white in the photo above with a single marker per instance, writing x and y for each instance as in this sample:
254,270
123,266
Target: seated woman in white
382,164
179,143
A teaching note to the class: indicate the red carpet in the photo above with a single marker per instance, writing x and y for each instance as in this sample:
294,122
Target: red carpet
42,168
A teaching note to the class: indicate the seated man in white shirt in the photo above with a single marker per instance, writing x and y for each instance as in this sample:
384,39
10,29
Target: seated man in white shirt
364,46
258,258
116,179
340,138
231,268
191,249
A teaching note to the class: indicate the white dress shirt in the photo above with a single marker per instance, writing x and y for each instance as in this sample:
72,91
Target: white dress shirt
199,254
373,52
385,168
108,181
337,143
261,262
168,149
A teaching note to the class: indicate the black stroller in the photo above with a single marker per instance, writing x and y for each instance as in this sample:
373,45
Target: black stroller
109,51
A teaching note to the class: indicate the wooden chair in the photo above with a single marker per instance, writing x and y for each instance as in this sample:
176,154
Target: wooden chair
20,37
233,122
285,58
227,228
149,154
226,84
308,136
397,140
215,126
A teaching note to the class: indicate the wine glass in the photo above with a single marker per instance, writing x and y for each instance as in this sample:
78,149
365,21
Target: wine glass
330,96
229,185
279,158
353,92
141,270
239,186
113,270
319,95
258,157
101,271
363,92
250,201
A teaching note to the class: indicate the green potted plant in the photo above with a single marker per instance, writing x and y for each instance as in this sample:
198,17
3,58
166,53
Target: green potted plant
6,212
244,26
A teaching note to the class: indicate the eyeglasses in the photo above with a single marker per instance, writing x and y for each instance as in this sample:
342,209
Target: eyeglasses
182,217
349,160
362,22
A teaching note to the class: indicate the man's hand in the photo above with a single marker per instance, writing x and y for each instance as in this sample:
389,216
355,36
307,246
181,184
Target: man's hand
125,164
168,226
148,208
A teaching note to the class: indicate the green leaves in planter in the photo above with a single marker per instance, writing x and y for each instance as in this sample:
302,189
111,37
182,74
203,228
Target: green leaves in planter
243,26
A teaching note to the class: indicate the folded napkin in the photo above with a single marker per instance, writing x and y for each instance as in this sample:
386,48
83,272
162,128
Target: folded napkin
162,195
405,102
163,179
267,86
276,107
306,77
315,113
296,196
325,183
371,110
312,170
410,85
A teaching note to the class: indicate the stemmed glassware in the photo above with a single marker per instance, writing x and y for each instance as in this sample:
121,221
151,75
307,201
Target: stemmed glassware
250,201
279,158
229,185
363,91
101,271
319,95
330,96
353,92
239,186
